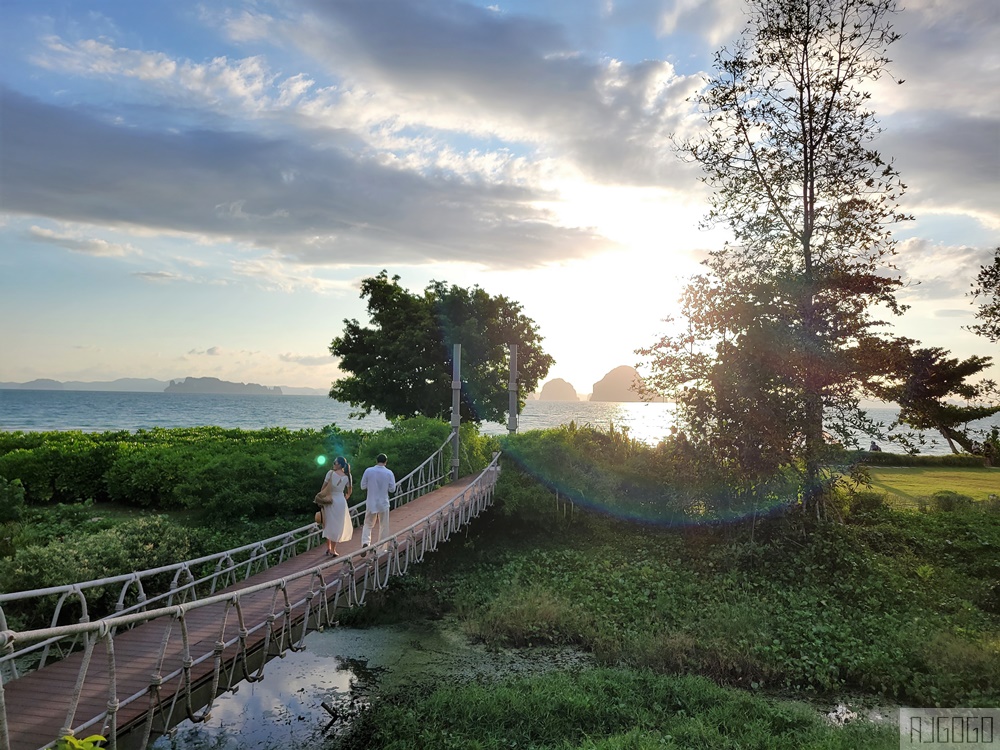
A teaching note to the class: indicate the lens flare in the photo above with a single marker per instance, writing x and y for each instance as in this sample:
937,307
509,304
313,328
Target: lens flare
320,460
598,489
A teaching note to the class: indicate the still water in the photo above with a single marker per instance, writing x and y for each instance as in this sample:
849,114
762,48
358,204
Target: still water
100,411
310,696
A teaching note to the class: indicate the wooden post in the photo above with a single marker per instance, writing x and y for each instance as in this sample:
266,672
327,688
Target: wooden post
512,391
456,408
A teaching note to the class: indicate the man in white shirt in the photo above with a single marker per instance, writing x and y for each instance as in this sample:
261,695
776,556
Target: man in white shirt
378,481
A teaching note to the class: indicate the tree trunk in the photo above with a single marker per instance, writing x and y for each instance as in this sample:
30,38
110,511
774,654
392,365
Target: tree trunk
955,436
812,499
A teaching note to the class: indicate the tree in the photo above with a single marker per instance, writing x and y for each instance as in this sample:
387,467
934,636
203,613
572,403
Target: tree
779,328
987,287
402,364
930,378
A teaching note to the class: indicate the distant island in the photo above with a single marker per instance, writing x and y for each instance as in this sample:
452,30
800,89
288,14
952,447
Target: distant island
620,385
151,385
558,390
214,385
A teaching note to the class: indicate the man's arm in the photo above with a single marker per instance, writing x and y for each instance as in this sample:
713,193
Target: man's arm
364,480
392,481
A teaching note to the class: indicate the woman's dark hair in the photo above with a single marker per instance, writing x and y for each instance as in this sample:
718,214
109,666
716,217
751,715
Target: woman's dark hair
342,463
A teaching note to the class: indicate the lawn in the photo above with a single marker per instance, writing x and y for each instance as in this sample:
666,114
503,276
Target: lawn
910,484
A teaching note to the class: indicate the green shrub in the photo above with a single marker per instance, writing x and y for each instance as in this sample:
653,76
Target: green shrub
138,544
947,501
863,503
530,617
36,469
11,500
599,708
884,458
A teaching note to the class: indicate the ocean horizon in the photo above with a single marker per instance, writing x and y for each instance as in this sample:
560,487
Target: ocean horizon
107,411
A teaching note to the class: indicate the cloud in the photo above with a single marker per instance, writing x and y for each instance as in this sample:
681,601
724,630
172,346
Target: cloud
416,132
212,351
342,208
459,68
307,360
951,161
86,246
716,22
157,276
945,272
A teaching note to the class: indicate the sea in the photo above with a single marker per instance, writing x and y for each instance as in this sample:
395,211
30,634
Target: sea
102,411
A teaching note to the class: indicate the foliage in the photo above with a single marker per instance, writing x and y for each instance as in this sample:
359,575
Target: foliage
897,606
987,289
167,469
609,709
69,742
930,379
906,459
402,364
11,512
139,544
222,489
779,328
11,500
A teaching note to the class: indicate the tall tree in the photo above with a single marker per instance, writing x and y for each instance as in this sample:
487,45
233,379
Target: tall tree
779,328
931,378
987,290
402,364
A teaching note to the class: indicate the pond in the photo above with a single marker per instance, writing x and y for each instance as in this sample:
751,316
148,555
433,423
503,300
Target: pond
310,696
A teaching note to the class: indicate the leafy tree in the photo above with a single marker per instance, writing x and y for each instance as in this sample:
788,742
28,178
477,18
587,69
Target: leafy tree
779,329
402,364
987,287
931,378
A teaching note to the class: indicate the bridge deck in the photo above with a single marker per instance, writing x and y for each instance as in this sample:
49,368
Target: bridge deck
37,703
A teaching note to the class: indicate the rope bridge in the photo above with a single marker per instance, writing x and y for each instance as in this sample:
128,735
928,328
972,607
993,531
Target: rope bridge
218,616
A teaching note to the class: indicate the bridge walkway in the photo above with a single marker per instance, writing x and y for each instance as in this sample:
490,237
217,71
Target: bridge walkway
151,669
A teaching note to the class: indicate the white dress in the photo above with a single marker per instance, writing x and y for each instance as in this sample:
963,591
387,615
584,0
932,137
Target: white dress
336,520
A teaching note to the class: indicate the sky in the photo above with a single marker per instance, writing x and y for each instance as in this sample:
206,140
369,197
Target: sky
198,188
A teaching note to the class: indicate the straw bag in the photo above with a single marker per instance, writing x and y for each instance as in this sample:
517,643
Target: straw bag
319,517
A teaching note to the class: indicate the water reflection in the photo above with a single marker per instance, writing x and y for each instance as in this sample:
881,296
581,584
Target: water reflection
646,422
313,694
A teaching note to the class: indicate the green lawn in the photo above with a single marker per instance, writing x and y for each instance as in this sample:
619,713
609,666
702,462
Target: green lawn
912,483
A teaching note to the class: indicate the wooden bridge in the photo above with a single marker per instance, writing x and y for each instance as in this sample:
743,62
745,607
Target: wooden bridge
165,657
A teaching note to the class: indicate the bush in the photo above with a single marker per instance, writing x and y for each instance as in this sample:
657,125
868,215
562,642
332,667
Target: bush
865,503
11,500
884,458
947,501
134,545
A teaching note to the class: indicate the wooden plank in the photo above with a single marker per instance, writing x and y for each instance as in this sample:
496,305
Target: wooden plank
37,702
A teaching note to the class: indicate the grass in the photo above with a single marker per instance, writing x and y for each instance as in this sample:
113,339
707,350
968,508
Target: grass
899,607
916,483
601,709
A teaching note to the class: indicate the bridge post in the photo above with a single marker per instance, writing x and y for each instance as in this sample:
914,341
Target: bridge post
512,391
456,408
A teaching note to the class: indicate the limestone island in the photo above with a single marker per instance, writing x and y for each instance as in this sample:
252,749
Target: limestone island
214,385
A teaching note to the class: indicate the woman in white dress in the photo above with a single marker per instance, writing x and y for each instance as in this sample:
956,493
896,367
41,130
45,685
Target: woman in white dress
336,519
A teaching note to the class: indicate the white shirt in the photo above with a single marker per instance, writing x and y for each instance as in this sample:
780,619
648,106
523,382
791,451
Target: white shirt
379,481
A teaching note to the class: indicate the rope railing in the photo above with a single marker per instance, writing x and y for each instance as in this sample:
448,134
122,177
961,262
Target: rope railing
231,566
342,581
